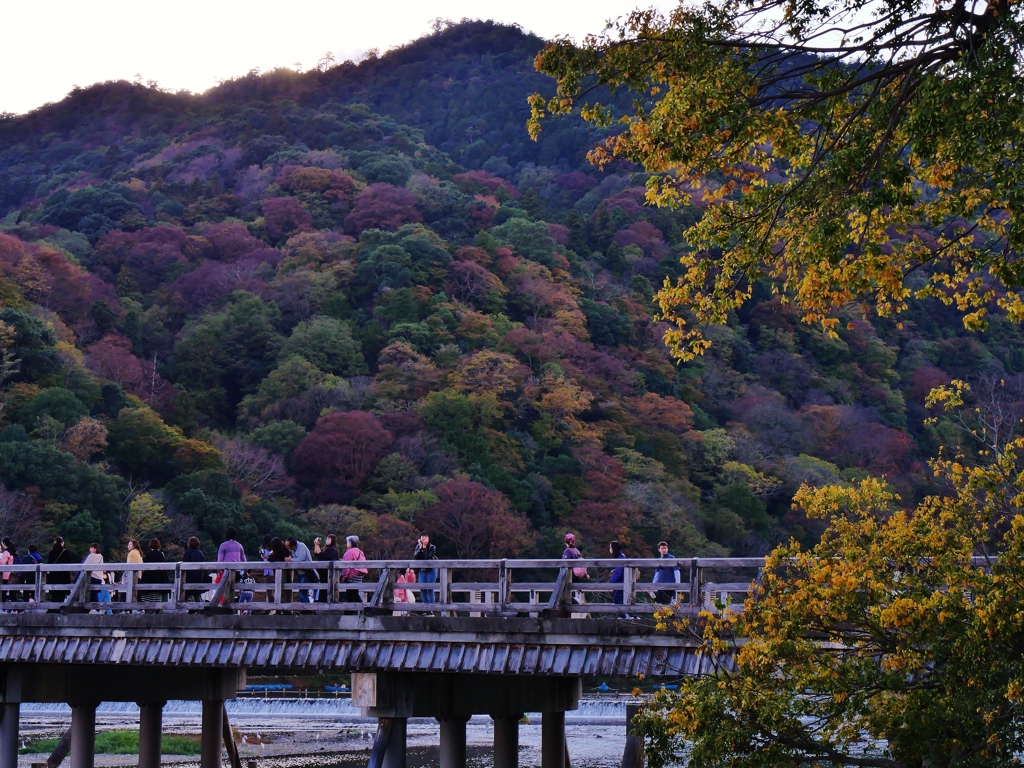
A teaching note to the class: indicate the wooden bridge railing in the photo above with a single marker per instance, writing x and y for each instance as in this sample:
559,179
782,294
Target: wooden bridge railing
463,587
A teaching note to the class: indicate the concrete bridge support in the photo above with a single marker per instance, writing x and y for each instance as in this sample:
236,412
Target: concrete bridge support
452,698
83,735
453,742
9,735
213,722
506,741
552,740
394,755
151,715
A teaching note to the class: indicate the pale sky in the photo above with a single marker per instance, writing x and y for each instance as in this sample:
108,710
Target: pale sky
51,45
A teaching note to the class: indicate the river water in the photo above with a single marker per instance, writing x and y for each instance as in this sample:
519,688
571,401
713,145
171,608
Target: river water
329,732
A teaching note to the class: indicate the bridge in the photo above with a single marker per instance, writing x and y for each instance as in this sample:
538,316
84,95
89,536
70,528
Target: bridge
500,637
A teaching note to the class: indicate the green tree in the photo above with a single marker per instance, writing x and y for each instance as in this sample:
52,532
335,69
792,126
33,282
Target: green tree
327,343
57,403
837,148
141,443
145,517
226,355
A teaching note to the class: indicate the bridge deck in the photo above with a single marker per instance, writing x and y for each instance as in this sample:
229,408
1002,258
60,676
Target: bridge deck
294,644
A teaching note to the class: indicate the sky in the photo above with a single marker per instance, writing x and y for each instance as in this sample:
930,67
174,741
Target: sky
53,46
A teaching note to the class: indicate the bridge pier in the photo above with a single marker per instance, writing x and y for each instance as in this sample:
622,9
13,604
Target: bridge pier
9,735
394,755
506,741
213,723
83,735
552,740
150,733
453,741
451,698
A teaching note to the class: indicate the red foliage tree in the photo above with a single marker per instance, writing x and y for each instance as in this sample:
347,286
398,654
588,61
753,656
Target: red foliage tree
230,241
111,357
338,456
382,206
150,254
655,413
603,515
471,520
284,215
395,539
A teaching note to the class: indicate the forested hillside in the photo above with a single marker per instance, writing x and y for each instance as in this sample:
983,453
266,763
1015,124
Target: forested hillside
360,300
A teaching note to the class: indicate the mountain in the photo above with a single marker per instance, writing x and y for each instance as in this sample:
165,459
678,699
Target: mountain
360,300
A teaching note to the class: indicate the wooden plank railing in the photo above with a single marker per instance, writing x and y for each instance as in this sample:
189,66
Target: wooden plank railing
545,588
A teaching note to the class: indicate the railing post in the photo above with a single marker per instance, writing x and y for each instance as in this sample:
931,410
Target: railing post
504,584
39,591
278,585
445,576
129,586
177,597
330,583
627,585
694,583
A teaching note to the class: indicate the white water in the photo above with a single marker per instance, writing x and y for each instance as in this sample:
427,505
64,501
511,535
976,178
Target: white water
605,710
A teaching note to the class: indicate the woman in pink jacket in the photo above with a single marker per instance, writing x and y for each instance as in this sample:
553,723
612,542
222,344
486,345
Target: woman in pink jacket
353,575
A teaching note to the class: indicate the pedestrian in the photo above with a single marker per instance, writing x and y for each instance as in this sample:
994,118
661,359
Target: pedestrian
33,552
666,575
193,577
425,551
408,576
230,551
618,574
134,557
329,550
97,578
32,557
7,557
154,554
134,552
58,555
300,554
326,554
571,553
352,575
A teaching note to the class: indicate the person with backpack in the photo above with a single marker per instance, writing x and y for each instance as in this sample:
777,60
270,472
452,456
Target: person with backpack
618,574
32,557
425,551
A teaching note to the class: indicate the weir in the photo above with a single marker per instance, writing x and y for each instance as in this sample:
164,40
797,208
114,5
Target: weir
502,638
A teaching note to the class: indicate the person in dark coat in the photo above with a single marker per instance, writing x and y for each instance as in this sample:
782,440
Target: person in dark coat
58,555
425,551
154,554
193,555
